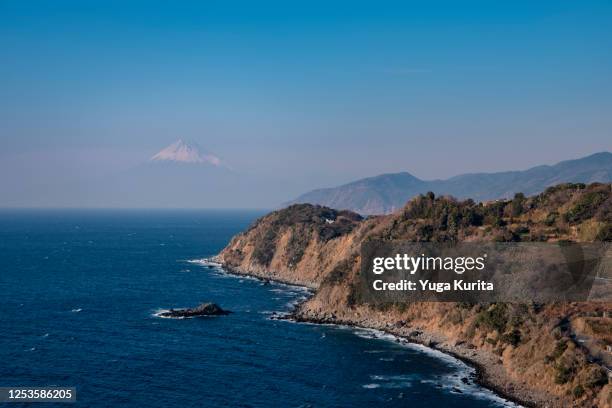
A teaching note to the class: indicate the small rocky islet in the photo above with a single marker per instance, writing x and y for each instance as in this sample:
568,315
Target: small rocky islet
205,309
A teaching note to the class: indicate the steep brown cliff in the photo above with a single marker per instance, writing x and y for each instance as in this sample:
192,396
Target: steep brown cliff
544,355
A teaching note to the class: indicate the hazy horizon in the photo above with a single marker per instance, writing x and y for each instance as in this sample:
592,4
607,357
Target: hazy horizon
293,97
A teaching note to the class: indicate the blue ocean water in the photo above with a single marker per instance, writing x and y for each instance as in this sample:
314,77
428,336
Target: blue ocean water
80,289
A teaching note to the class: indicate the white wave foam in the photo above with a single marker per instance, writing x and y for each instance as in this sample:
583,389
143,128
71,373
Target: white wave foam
454,382
205,262
77,310
278,290
158,313
400,377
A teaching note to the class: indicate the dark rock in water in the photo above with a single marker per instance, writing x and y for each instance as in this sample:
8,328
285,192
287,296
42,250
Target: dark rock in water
457,390
465,380
205,309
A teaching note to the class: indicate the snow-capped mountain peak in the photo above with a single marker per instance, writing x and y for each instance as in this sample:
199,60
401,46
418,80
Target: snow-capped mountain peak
184,152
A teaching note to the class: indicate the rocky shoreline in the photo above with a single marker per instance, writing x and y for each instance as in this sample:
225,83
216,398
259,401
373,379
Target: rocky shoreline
529,352
487,375
433,342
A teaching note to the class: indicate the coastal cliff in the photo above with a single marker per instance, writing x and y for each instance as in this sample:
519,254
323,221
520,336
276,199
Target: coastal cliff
538,354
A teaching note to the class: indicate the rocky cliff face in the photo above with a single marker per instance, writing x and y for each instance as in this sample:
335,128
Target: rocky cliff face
544,355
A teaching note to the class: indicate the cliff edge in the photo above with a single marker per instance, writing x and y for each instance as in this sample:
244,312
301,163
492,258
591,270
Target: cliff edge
539,354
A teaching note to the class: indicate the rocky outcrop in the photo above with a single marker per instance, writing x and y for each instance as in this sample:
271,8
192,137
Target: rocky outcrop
532,352
205,309
295,245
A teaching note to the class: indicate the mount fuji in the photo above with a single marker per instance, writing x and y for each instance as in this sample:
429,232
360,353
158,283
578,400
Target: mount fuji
181,175
185,152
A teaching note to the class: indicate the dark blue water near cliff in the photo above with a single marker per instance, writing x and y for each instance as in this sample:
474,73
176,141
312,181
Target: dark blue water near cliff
79,290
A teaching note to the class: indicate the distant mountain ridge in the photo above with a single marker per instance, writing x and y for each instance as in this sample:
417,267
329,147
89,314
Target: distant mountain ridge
387,192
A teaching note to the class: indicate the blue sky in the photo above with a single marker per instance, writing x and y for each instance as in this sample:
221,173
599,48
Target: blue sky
306,94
